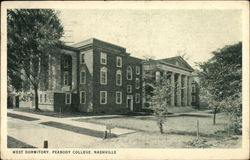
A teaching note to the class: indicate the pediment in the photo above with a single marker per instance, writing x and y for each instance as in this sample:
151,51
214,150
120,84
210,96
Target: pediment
178,62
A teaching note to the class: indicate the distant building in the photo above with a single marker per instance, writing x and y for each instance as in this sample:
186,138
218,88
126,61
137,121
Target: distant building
92,76
179,74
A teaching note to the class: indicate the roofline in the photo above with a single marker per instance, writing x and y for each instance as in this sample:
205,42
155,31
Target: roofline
136,58
190,68
68,47
186,63
169,64
92,41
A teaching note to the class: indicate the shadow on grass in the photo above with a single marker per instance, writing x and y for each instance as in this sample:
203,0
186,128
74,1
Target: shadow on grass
14,143
77,114
17,116
84,131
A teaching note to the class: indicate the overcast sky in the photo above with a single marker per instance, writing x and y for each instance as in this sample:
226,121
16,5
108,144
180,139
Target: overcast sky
160,33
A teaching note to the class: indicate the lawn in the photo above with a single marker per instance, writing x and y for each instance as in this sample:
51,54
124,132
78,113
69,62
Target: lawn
21,117
179,132
157,140
183,125
14,143
80,130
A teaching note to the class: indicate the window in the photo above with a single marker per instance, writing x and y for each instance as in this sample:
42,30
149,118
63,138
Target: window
193,89
103,97
118,61
137,83
82,97
66,62
41,98
45,98
118,97
83,77
66,78
137,70
103,75
129,73
129,88
137,98
82,58
67,98
103,58
193,98
119,78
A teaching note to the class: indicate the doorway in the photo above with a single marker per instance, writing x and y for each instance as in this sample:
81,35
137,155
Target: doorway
130,102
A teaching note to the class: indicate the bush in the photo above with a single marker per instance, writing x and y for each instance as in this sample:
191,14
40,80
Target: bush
233,107
198,143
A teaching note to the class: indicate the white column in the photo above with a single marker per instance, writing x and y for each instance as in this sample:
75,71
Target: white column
185,93
179,90
190,79
172,90
157,76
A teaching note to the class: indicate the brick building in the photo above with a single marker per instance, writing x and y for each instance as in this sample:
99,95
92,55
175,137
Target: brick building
96,76
92,76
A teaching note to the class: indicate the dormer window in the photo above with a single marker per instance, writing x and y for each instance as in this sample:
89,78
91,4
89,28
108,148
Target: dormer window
118,61
103,58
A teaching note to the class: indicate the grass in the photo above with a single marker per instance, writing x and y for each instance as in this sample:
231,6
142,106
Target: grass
14,143
81,130
179,132
21,117
183,125
157,140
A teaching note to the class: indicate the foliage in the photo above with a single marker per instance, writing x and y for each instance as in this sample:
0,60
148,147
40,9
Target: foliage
198,143
32,34
233,107
221,79
159,99
222,74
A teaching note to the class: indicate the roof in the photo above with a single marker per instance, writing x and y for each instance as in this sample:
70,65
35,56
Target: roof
177,61
94,41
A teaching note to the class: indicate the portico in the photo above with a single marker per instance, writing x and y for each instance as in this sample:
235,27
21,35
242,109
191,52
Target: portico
180,77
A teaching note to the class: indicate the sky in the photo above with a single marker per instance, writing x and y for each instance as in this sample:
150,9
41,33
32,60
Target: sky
156,32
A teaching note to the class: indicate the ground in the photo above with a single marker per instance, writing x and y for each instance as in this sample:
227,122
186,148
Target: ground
130,131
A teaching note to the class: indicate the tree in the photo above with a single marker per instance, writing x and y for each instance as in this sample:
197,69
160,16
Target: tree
221,76
157,93
32,35
159,99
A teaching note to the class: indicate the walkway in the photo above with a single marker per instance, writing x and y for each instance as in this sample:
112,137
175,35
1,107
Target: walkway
34,133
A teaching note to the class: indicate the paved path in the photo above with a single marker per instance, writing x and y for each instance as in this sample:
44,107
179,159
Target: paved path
34,133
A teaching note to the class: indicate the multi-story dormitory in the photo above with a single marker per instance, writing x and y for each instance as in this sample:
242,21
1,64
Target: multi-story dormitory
93,76
96,76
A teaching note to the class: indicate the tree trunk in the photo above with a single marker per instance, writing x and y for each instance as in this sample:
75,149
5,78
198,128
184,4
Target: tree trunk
161,128
36,99
215,111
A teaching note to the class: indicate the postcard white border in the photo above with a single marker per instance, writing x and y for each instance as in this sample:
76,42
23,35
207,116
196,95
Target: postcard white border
242,153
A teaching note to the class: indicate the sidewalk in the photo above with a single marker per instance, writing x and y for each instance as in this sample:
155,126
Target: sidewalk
34,133
71,121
